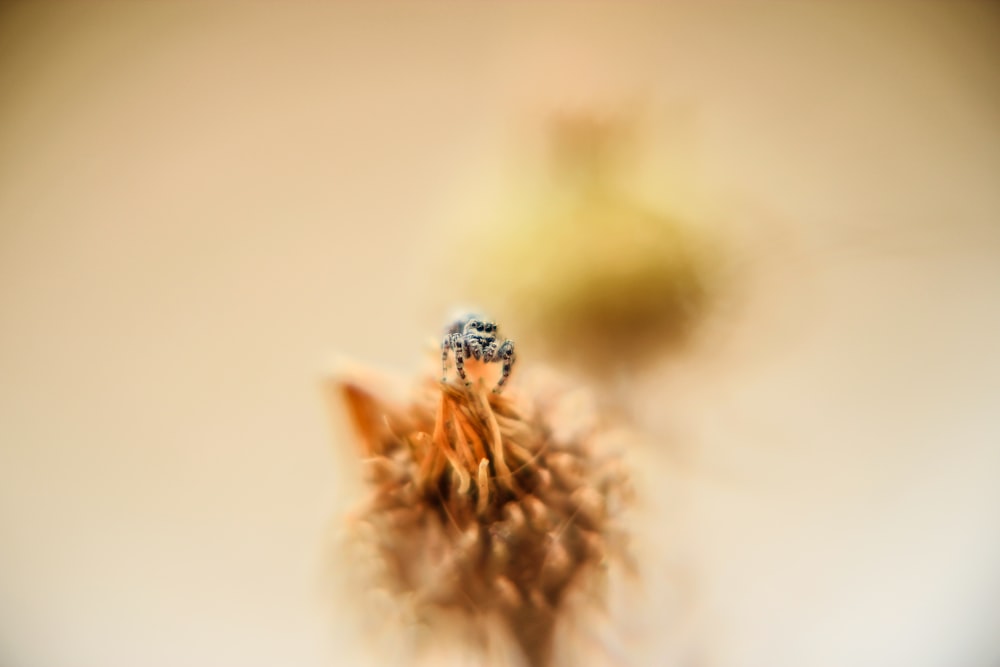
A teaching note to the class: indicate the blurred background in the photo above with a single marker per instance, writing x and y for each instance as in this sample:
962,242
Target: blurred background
203,205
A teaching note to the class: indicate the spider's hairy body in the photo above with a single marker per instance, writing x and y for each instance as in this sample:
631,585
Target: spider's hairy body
474,337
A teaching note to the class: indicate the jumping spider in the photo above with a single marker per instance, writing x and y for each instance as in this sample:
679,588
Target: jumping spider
475,338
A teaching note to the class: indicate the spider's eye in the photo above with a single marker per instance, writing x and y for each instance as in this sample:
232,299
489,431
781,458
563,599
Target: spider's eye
489,327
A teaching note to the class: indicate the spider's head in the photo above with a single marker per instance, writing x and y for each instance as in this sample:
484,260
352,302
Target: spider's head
480,328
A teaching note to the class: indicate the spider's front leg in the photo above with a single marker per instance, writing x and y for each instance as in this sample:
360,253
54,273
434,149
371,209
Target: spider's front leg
456,343
445,346
461,347
505,353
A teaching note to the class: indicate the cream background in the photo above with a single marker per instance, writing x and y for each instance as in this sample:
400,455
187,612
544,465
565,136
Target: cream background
200,205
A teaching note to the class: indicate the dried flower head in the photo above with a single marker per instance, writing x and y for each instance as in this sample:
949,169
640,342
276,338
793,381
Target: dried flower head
487,510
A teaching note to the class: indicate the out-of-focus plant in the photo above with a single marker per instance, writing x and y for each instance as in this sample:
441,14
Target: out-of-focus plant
600,279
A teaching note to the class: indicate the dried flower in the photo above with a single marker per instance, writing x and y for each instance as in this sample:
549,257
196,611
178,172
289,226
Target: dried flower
487,510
